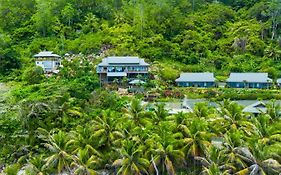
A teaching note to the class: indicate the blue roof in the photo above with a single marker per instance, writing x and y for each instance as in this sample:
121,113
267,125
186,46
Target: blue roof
196,77
123,60
249,77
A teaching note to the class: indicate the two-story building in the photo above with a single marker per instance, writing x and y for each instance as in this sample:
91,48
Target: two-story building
49,61
116,68
249,80
196,80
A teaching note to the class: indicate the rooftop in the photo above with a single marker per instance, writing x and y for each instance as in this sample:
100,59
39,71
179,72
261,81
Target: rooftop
123,60
258,107
46,54
279,80
196,77
249,77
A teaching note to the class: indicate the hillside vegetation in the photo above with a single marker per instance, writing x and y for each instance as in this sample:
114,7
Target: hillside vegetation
67,123
204,35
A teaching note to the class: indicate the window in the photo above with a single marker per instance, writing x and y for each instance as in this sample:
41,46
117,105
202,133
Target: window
110,69
119,69
205,84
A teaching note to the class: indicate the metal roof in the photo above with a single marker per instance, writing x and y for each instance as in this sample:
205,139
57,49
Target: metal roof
137,81
46,54
196,77
123,60
116,74
249,77
128,60
256,108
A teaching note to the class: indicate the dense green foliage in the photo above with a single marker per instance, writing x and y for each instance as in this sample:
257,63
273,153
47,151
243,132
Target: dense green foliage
220,36
67,123
110,134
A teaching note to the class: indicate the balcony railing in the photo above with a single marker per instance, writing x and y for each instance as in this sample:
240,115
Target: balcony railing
127,71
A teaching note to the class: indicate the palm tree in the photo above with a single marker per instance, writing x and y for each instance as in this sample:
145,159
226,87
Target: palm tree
35,165
214,162
179,118
59,146
160,113
132,160
106,130
195,136
273,110
84,162
201,110
232,141
268,133
164,155
136,112
34,116
256,167
231,117
82,136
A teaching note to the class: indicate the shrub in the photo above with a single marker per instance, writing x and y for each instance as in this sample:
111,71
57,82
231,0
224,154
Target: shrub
33,75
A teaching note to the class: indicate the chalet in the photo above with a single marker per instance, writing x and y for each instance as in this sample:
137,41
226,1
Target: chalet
49,61
249,80
196,80
116,68
279,82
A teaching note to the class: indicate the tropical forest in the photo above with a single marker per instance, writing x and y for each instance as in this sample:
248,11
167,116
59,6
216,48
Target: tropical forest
84,116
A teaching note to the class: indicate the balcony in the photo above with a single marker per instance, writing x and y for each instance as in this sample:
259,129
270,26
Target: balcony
123,70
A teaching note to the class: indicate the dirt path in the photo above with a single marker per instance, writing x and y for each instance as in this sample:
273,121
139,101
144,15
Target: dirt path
3,90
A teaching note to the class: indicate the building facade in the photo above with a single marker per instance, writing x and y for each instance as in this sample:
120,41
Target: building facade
249,80
196,80
117,68
49,61
279,82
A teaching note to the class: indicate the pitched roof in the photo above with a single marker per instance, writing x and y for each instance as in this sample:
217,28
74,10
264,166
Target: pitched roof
123,60
258,107
249,77
196,77
46,54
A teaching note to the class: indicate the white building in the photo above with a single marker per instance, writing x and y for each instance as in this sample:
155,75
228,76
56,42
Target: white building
48,61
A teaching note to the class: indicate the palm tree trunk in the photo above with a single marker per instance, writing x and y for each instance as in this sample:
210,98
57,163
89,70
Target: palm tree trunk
154,165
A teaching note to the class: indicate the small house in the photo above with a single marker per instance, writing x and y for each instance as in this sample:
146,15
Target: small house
249,80
196,80
120,67
49,61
